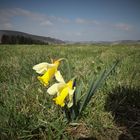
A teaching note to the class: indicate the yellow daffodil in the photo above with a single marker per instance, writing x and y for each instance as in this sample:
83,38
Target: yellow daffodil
63,90
48,71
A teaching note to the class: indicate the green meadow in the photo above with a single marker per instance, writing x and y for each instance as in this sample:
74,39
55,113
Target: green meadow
27,111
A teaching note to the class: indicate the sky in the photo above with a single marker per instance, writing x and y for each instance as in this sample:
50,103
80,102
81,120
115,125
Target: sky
73,20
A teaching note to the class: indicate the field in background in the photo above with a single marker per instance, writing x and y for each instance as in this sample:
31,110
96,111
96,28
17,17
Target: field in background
27,111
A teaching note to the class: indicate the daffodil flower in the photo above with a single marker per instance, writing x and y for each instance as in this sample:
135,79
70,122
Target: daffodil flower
48,71
63,90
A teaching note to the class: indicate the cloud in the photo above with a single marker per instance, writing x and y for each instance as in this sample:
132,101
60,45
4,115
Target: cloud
60,19
6,26
30,14
5,22
46,23
7,16
123,26
78,34
73,33
86,21
80,21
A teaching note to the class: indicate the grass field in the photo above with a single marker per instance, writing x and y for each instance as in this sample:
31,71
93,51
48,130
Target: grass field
27,111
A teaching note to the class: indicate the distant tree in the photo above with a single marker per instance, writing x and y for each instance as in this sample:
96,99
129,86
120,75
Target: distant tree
4,39
18,39
13,40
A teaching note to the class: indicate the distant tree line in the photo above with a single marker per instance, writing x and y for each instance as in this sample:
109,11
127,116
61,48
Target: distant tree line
18,39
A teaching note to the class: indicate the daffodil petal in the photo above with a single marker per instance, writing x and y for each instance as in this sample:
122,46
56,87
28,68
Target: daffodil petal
59,77
53,89
71,93
41,68
70,104
56,88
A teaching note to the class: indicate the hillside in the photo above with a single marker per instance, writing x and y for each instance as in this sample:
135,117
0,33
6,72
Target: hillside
34,38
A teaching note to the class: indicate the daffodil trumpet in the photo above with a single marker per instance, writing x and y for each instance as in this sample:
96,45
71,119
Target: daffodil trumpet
48,70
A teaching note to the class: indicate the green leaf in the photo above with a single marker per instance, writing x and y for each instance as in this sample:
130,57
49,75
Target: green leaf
86,96
94,86
78,92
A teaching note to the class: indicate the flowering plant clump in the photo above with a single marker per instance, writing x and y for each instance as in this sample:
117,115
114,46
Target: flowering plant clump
67,94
